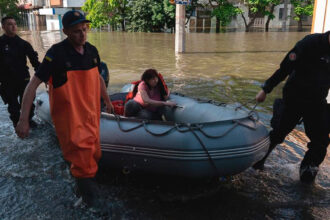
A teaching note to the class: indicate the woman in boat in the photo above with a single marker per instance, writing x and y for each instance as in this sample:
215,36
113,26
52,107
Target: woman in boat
149,97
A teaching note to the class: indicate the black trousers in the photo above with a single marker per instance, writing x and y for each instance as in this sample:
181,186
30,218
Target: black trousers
12,94
134,109
315,118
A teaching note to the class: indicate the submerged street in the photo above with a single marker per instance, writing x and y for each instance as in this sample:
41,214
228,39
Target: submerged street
227,67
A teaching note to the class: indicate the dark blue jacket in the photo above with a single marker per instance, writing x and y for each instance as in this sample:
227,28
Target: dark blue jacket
13,62
308,68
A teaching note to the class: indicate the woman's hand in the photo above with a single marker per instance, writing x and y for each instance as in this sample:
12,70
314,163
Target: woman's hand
170,103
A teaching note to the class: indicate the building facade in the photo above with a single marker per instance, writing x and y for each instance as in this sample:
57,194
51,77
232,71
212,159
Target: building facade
30,13
46,13
55,9
202,20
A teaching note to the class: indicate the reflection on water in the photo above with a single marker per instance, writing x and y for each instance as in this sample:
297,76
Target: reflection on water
229,67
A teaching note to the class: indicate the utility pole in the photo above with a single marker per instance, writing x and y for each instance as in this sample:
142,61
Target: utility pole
180,30
285,15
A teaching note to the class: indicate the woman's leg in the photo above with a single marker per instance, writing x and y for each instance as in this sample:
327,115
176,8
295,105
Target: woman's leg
132,108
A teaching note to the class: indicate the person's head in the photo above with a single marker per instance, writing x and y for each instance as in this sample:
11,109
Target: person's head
9,26
150,77
75,27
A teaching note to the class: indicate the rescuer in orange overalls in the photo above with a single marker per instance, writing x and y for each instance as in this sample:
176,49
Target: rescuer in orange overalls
75,89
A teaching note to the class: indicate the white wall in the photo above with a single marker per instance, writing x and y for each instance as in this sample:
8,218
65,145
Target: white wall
321,20
73,3
52,24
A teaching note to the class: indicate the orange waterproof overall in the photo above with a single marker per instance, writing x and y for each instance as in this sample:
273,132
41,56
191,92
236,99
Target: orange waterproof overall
75,110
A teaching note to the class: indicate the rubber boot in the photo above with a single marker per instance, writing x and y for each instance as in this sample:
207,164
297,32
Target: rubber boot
260,165
308,173
89,191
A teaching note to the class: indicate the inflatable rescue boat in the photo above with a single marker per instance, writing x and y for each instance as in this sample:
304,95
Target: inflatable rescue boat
203,139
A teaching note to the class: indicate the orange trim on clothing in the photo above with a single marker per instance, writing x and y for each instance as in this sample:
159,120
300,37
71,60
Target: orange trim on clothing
75,110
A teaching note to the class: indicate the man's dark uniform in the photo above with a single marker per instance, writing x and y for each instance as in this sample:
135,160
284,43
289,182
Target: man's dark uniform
14,72
307,66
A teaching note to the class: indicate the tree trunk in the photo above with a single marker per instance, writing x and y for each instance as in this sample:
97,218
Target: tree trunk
123,25
217,26
268,19
251,22
246,25
123,15
300,28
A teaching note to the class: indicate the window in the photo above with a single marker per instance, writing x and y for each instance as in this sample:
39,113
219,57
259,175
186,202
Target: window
281,14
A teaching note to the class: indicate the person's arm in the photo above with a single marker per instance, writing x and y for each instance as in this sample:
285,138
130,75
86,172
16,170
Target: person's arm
22,128
287,66
105,96
168,95
273,81
33,56
146,99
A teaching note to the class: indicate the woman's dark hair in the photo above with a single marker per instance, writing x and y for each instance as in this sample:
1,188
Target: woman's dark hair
147,75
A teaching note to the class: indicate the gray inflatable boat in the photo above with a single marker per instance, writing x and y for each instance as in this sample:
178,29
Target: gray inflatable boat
205,139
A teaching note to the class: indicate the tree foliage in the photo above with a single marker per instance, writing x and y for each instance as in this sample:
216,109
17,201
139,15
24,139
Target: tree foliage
97,12
223,11
9,8
103,12
270,12
151,15
259,8
118,11
169,11
302,8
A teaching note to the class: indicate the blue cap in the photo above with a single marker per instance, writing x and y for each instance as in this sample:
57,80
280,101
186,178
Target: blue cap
71,18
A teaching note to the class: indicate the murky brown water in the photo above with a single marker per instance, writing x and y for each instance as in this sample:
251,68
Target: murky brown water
229,67
216,66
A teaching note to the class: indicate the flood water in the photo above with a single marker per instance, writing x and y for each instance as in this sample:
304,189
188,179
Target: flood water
35,182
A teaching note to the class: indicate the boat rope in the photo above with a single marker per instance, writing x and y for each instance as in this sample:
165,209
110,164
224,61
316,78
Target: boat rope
126,130
252,111
245,104
184,127
156,134
206,151
217,136
187,127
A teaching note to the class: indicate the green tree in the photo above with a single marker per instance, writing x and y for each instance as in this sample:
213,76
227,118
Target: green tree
151,15
302,8
270,12
169,12
97,12
9,8
258,8
223,11
118,11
